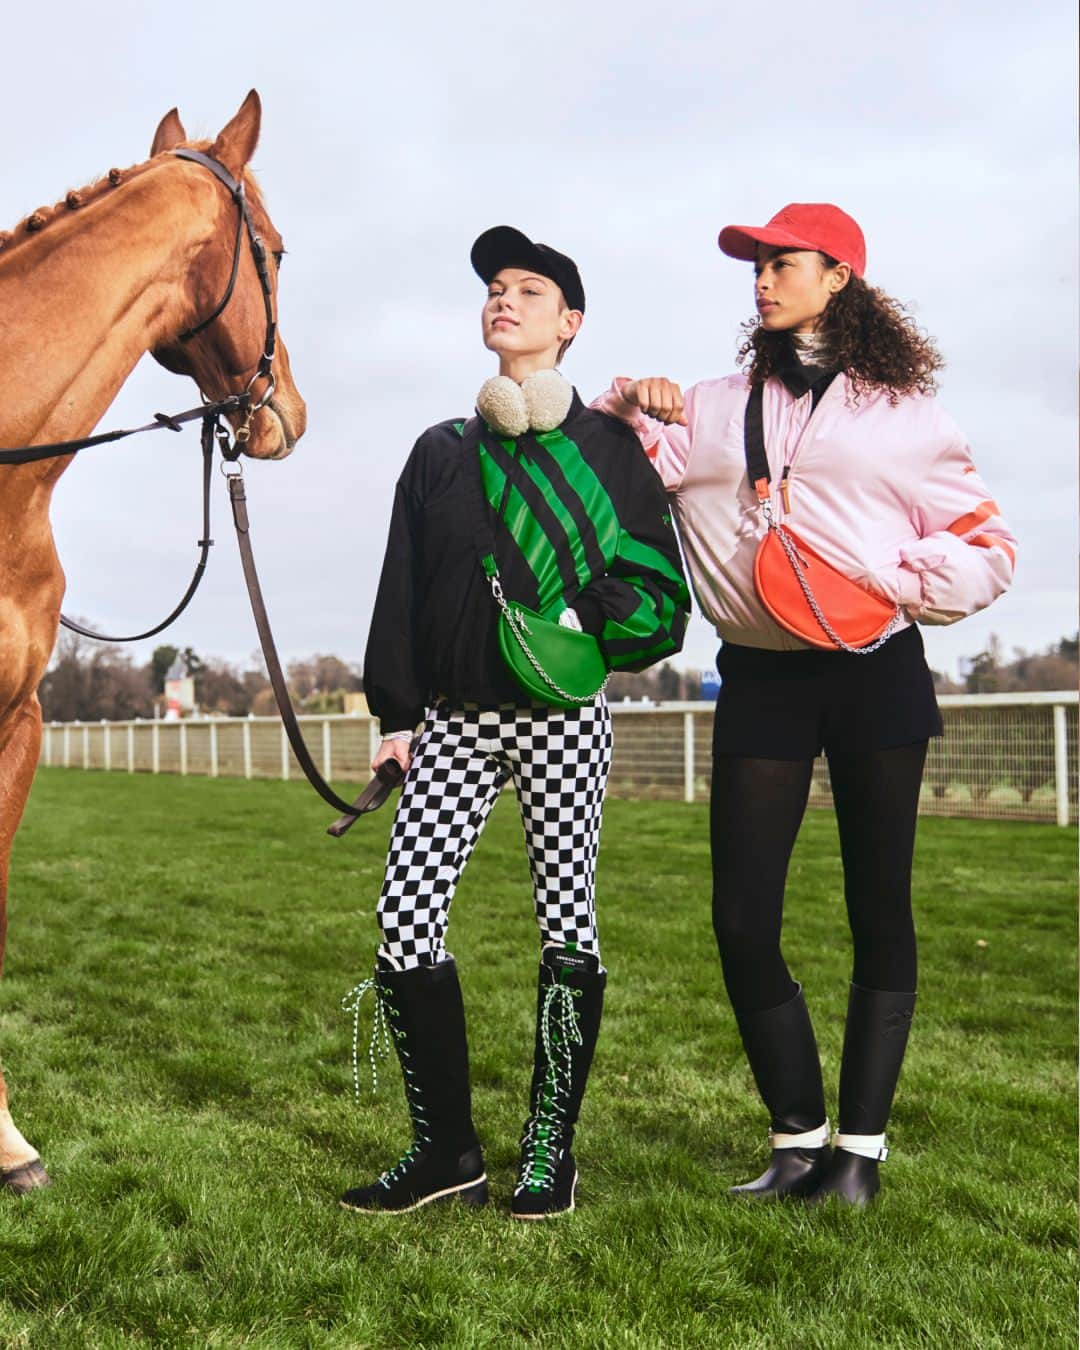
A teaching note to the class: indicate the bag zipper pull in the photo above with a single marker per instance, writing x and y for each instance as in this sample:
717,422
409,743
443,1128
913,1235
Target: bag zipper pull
785,490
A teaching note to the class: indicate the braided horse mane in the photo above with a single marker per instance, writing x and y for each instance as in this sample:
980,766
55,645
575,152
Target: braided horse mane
77,199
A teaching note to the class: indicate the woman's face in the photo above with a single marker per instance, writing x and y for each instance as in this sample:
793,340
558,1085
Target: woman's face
793,288
526,315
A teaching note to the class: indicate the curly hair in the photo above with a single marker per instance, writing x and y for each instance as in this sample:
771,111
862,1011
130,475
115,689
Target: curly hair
869,336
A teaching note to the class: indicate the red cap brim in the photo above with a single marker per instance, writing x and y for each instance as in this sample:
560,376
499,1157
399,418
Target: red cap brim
741,241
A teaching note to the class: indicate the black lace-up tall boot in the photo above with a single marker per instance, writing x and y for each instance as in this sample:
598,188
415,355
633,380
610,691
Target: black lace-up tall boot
783,1055
570,998
424,1015
875,1039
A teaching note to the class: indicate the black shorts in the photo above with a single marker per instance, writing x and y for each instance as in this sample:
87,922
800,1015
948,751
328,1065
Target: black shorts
793,705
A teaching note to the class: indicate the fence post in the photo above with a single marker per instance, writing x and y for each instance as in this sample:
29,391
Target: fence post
155,748
86,745
1061,764
67,745
106,749
213,750
130,748
247,748
327,774
183,749
48,746
688,757
284,754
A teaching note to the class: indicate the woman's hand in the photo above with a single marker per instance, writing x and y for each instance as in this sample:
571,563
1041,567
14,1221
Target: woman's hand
656,397
396,748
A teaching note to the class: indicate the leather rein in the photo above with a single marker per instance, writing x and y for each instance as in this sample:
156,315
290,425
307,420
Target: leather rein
213,428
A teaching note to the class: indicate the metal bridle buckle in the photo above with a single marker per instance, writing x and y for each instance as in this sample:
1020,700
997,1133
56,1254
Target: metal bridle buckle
243,431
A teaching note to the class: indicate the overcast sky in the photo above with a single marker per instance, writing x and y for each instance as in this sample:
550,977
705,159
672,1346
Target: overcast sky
624,134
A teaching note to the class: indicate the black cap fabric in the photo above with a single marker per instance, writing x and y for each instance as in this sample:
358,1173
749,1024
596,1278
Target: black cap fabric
503,246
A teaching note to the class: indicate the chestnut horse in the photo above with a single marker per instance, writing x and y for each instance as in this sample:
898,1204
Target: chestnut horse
116,270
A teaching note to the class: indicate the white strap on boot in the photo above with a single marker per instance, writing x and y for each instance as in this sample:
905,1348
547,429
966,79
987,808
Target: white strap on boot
816,1138
865,1145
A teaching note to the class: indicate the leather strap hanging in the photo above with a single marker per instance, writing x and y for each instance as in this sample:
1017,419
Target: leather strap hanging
388,775
204,545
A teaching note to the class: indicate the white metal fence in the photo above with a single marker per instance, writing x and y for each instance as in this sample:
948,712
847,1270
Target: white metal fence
1003,756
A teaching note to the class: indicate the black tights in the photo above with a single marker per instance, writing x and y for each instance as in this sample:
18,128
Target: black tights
757,808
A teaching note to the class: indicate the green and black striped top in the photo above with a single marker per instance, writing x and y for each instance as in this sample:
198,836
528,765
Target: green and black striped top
580,520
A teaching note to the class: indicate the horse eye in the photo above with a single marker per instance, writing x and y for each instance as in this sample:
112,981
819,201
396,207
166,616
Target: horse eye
278,255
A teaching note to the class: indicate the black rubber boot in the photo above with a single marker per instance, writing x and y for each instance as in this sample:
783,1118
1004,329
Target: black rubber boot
783,1055
570,1000
426,1020
875,1039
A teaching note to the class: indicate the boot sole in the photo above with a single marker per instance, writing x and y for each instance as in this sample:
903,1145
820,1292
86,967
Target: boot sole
552,1214
471,1193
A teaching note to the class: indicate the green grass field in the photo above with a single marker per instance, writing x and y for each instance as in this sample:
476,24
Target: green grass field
173,1043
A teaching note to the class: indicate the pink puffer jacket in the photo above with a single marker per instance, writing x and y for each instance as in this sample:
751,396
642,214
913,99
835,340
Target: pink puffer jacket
888,495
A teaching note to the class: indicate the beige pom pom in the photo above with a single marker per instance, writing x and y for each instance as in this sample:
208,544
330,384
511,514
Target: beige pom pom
548,396
501,404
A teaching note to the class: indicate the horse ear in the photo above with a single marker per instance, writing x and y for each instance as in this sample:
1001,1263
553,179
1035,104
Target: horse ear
170,132
236,142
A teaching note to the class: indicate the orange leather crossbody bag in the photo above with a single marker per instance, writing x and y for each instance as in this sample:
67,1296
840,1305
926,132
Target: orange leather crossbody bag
804,593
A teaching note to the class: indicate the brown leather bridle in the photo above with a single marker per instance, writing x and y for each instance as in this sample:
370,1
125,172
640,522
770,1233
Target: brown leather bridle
213,428
210,413
258,253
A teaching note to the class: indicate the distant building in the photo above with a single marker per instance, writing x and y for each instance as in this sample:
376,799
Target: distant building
179,692
356,705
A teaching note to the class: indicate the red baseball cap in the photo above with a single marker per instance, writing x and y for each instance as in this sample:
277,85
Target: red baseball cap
803,225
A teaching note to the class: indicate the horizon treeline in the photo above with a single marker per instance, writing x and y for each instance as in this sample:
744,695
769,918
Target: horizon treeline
90,681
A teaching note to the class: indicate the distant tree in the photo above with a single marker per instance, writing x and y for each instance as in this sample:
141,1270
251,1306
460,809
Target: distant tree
320,675
220,688
160,661
255,683
1054,668
87,681
988,673
944,685
192,662
264,704
662,684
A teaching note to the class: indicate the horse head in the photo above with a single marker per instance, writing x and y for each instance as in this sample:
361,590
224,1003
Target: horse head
226,356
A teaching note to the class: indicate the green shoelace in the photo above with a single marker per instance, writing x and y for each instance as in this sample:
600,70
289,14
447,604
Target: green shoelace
540,1151
379,1044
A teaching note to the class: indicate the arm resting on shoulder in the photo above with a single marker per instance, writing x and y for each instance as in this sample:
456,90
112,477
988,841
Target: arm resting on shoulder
666,445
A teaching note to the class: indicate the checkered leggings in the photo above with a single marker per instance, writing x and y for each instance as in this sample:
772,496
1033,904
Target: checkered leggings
558,760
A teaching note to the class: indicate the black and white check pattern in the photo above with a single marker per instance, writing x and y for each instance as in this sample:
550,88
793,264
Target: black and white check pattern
558,760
